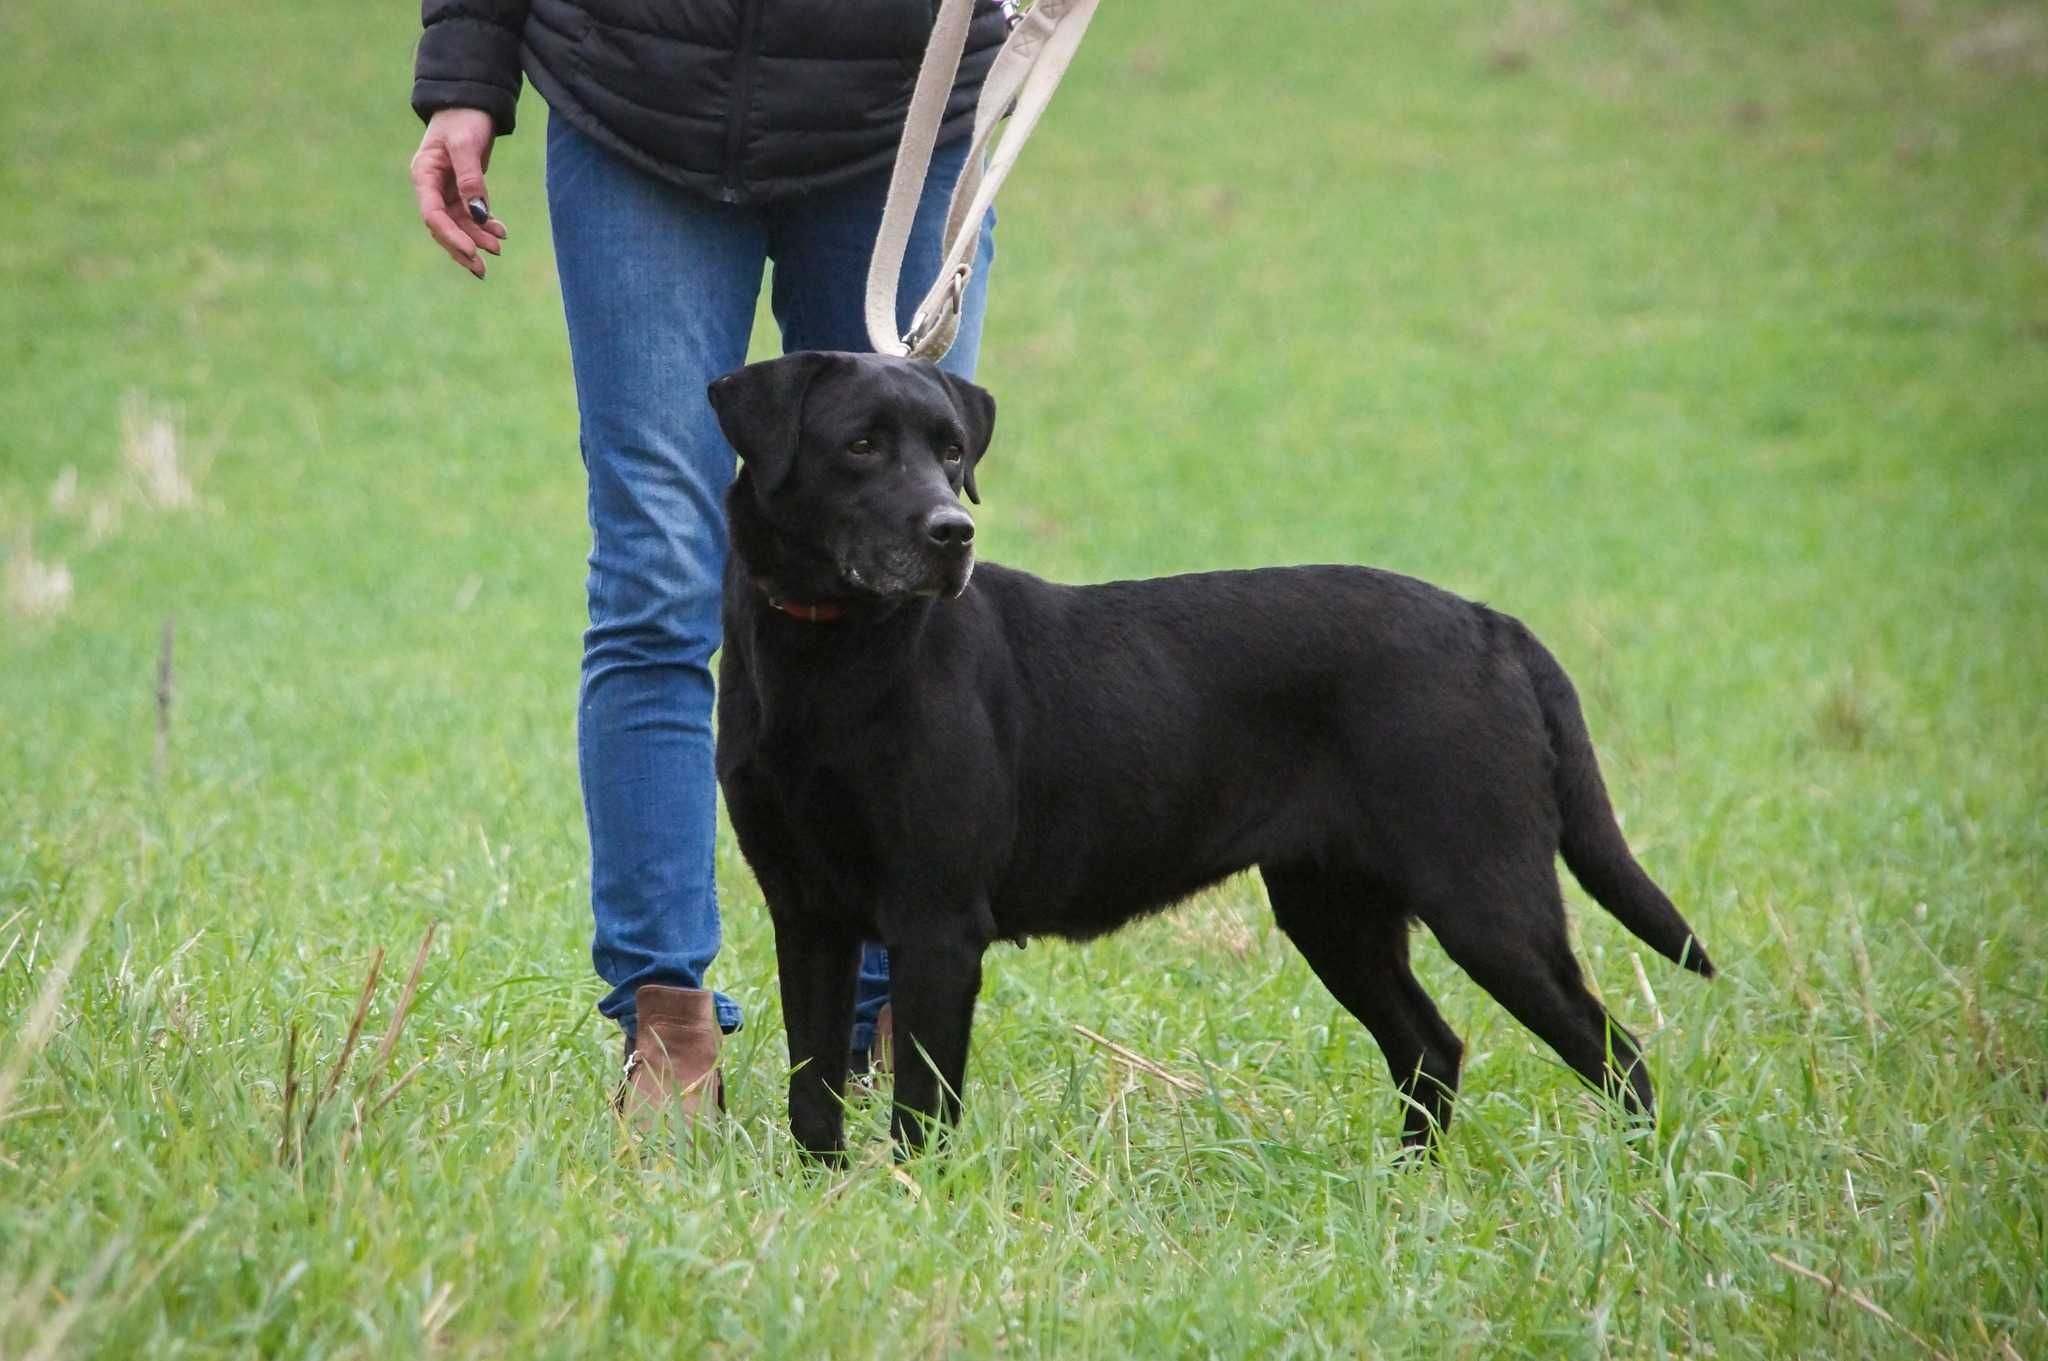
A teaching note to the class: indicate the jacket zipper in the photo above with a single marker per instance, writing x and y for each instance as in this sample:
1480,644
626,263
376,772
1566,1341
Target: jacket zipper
742,95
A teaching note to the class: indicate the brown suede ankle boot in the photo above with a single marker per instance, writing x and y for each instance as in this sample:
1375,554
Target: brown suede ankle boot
885,1040
870,1065
673,1064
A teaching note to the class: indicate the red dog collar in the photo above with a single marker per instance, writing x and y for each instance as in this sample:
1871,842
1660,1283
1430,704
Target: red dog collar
822,613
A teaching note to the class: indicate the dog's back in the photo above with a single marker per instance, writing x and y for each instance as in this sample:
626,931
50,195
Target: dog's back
1172,731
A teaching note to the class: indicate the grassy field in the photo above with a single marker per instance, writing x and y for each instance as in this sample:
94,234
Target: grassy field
1710,338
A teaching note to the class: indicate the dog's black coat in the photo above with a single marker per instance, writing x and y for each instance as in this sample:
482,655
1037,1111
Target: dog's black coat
941,763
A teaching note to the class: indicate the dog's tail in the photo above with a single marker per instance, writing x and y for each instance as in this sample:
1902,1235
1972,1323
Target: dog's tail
1594,849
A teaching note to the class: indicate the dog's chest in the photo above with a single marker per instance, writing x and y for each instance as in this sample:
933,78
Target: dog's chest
806,821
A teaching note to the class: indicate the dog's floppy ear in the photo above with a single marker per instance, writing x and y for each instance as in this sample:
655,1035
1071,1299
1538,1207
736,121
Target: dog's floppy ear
760,409
978,409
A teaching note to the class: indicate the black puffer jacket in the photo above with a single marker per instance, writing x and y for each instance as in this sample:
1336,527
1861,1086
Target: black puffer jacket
742,100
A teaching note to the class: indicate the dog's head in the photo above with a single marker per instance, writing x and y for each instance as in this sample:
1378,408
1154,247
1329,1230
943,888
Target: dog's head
861,459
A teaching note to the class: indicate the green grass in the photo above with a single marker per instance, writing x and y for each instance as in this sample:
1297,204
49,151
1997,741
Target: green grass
1712,339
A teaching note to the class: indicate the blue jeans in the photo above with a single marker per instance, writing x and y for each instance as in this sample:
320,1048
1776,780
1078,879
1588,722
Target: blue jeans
659,287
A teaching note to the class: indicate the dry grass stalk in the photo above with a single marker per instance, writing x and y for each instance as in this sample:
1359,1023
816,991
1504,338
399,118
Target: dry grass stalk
1643,983
348,1046
1216,925
291,1091
437,1313
41,1022
383,1057
364,1107
1081,1169
391,1032
1792,956
1863,1302
164,693
1863,975
1676,1232
393,1090
1140,1062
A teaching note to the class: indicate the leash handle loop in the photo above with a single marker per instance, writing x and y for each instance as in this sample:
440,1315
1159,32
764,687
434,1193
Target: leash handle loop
1019,85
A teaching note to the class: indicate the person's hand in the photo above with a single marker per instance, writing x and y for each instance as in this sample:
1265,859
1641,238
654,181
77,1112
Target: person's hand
448,177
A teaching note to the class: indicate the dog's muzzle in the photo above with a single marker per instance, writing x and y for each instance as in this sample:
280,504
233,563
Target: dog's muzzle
949,532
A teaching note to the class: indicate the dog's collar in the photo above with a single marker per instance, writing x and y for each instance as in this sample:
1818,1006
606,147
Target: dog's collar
822,612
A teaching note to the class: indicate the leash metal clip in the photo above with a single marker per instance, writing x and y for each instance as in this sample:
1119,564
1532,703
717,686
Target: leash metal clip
924,325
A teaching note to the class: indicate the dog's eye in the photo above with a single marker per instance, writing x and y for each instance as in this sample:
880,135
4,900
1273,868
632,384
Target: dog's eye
953,453
861,448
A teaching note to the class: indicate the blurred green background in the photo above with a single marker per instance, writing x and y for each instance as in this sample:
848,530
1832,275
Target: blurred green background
1709,338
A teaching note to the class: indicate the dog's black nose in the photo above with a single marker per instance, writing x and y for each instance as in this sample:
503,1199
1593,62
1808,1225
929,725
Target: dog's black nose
950,529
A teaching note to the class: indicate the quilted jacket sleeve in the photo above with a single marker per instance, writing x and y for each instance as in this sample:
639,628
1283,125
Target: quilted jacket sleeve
469,58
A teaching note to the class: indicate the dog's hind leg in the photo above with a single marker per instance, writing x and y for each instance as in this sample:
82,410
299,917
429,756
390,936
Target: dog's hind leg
1506,928
1358,946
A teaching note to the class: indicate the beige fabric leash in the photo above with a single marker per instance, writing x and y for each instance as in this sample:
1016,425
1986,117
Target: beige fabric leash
1019,85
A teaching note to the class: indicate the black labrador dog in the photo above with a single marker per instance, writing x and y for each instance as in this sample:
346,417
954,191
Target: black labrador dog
936,756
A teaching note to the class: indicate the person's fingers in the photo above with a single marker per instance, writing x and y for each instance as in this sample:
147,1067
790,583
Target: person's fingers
477,225
483,236
480,214
467,160
489,223
446,231
429,177
450,236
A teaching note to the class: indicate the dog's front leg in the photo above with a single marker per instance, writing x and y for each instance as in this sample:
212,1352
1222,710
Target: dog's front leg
934,978
817,963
